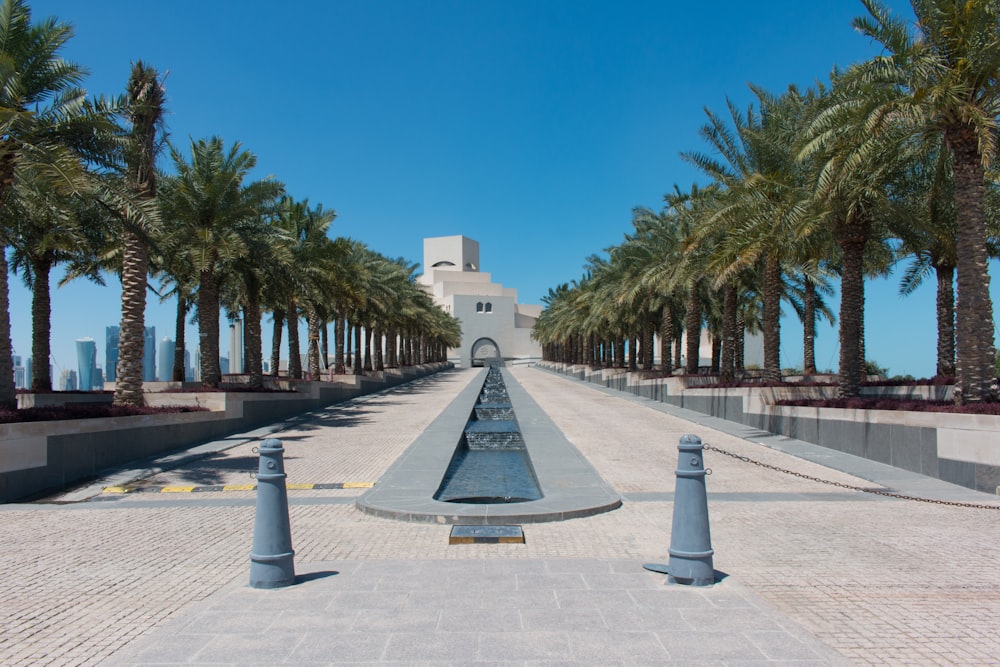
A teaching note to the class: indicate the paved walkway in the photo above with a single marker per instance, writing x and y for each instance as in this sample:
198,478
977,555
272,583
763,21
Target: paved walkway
817,574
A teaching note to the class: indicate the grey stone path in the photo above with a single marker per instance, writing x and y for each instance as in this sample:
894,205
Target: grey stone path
818,574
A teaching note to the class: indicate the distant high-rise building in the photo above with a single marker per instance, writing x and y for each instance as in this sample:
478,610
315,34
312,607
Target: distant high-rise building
86,362
236,347
19,372
196,366
111,352
167,347
188,371
223,365
99,381
27,373
149,355
67,380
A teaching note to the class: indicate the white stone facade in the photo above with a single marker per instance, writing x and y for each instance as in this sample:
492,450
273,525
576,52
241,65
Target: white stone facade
491,317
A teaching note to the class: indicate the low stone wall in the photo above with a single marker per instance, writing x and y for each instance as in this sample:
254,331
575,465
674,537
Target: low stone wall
962,449
39,457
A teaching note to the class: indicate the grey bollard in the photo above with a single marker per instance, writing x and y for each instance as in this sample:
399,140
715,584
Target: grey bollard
690,539
272,559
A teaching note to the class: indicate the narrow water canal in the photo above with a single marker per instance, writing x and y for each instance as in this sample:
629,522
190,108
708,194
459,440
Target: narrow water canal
491,463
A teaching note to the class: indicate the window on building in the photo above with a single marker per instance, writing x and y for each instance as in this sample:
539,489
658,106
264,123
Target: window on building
479,307
489,307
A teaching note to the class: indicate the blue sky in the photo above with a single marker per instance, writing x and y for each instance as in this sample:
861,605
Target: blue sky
532,127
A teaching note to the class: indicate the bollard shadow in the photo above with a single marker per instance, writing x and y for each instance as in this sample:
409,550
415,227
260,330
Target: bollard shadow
314,576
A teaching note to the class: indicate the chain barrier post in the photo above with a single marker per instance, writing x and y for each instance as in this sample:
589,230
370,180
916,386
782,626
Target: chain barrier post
690,538
272,558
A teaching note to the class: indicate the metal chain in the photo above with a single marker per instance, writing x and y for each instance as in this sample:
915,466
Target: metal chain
877,492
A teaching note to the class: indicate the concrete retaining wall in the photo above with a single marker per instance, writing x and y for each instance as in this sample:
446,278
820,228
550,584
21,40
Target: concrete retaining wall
39,457
962,449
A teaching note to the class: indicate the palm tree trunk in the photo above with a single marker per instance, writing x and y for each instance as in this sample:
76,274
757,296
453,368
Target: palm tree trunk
666,332
772,318
369,337
809,328
294,354
729,304
633,353
208,329
647,343
852,238
358,370
41,324
692,331
252,343
678,352
945,321
276,329
8,392
716,352
313,322
132,332
975,356
390,348
338,344
324,345
177,372
349,342
741,327
379,364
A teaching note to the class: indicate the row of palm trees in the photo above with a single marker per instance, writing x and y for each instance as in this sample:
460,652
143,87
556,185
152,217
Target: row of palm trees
79,186
890,161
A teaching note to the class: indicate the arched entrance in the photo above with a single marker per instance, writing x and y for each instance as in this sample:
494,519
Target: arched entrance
485,352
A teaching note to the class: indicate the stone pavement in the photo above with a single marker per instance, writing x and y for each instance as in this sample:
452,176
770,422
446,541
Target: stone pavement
817,574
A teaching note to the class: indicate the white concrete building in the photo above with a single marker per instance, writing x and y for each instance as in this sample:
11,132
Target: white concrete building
493,322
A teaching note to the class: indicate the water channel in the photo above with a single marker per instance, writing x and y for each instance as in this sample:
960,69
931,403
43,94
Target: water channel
492,457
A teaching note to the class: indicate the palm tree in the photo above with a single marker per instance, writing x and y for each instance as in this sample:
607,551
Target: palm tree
43,116
858,151
307,280
949,66
48,230
208,200
145,114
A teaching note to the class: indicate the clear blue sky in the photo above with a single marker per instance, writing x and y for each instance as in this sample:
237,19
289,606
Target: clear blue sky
533,127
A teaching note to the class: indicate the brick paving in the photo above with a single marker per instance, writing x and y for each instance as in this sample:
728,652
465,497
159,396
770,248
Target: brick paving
881,581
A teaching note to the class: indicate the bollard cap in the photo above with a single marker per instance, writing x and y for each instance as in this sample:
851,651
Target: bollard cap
690,440
271,443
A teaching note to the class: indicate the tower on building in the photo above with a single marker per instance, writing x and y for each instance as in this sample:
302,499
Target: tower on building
111,353
67,380
236,346
86,363
19,372
166,370
149,355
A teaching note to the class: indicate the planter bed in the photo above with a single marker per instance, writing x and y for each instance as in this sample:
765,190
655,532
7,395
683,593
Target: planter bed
43,457
958,448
